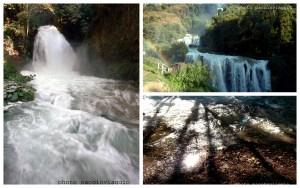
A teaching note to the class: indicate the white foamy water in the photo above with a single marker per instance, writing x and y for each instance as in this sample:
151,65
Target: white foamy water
78,128
234,73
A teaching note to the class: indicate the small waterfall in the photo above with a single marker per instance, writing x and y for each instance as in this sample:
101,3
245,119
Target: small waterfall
52,52
189,39
234,73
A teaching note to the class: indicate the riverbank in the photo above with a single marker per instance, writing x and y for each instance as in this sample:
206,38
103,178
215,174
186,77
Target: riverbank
16,86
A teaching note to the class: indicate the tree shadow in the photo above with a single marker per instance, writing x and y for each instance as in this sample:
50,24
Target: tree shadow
155,129
277,177
183,141
214,176
150,127
152,123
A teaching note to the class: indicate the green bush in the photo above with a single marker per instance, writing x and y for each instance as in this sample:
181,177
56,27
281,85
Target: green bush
11,74
21,93
15,87
9,70
191,77
177,52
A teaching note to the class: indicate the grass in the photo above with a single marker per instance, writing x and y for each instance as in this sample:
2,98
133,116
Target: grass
153,79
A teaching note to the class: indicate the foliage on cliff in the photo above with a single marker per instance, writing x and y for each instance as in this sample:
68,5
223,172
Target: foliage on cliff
20,24
177,51
165,23
252,30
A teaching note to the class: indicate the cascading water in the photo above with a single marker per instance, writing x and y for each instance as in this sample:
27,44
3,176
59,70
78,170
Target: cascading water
234,73
52,52
78,129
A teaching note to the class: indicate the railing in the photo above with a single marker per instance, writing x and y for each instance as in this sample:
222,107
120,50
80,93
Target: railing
163,68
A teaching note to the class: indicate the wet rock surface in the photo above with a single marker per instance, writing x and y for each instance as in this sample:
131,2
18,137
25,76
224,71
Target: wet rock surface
14,91
219,140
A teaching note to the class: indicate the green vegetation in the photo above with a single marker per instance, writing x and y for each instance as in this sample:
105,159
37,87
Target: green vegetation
191,77
153,79
10,73
20,25
163,25
177,52
15,85
252,30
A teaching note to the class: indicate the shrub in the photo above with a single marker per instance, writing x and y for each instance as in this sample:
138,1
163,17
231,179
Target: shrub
15,87
177,52
191,77
10,73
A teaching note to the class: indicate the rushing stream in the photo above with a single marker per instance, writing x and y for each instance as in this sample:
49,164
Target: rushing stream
79,129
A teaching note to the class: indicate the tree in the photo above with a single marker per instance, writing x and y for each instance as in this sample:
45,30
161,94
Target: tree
178,51
251,31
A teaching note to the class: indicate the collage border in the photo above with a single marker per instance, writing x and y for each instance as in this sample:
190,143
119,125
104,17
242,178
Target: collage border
142,93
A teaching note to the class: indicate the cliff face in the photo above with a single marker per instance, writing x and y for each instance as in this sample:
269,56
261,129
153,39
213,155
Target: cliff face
114,33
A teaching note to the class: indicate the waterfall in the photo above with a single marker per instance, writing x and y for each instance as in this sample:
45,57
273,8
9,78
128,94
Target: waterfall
234,73
189,39
78,129
52,52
